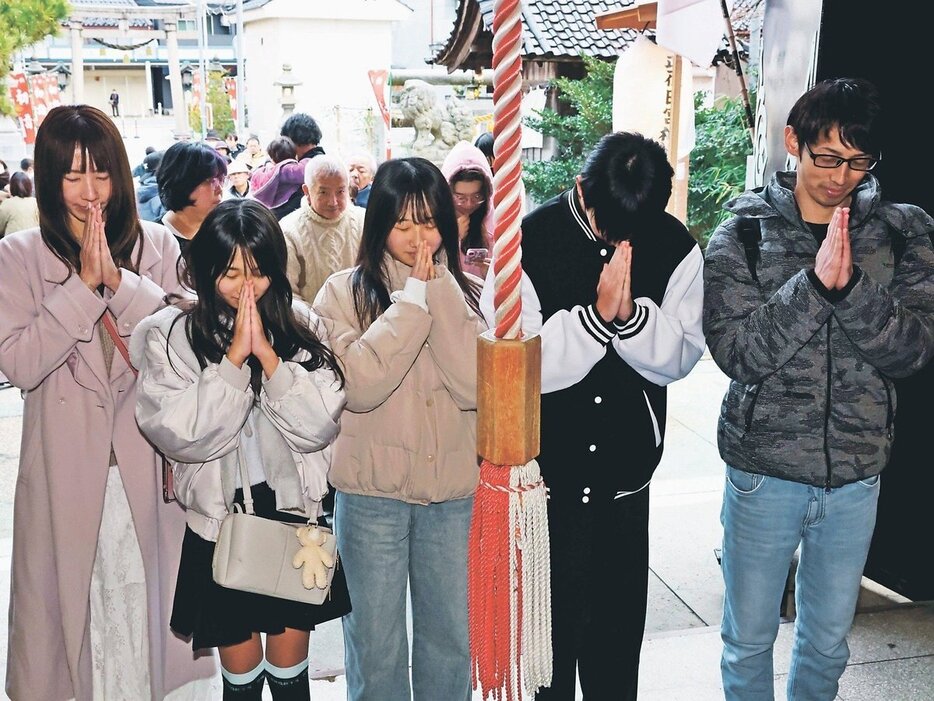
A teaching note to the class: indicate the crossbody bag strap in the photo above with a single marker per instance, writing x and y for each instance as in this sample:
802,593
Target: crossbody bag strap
168,478
245,480
111,325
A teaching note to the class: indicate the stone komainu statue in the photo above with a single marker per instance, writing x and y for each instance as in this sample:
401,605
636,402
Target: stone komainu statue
438,125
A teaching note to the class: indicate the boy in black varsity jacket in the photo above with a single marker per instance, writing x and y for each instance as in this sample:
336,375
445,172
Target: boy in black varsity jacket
614,286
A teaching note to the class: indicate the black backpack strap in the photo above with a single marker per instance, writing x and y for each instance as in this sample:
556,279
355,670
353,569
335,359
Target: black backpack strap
899,242
750,234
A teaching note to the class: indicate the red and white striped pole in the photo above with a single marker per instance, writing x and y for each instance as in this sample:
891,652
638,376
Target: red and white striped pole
509,577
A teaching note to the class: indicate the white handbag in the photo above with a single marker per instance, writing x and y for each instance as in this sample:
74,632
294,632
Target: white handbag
256,554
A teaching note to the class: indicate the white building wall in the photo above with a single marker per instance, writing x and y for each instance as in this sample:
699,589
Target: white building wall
129,82
331,47
427,27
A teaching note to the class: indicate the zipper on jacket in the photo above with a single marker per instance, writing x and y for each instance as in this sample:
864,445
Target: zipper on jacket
827,409
889,414
752,406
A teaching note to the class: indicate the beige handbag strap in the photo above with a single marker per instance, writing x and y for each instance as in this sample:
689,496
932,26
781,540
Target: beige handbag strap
245,484
245,480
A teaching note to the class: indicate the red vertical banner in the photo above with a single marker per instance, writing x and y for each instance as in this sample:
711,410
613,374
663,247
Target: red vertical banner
378,80
53,91
18,88
40,97
230,87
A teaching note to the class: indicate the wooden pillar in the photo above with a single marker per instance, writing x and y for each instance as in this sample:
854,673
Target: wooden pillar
678,203
179,108
509,374
77,62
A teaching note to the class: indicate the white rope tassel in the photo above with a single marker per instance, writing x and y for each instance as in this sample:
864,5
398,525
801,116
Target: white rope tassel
528,517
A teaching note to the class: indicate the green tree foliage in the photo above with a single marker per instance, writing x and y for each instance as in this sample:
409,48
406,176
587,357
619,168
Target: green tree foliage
718,163
220,105
23,23
591,102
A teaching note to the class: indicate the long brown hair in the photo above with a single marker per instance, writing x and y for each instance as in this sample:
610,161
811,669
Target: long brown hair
64,130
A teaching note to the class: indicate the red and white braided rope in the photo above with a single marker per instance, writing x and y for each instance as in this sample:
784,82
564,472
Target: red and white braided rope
507,137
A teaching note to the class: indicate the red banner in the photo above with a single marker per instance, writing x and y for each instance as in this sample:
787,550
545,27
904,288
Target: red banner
38,88
22,102
378,80
230,87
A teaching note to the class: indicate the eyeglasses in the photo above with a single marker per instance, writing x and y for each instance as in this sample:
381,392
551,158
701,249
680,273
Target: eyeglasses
825,160
472,199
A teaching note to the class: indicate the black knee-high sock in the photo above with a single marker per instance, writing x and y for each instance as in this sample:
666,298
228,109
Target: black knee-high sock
244,687
288,684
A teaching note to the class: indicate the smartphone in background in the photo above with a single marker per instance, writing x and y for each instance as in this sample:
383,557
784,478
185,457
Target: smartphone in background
477,255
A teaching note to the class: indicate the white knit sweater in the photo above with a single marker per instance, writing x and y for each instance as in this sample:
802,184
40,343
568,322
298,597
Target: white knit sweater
318,247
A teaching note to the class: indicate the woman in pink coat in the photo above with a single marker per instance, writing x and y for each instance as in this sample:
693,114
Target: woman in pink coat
95,548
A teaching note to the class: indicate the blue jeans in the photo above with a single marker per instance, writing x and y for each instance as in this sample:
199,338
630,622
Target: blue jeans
386,544
765,519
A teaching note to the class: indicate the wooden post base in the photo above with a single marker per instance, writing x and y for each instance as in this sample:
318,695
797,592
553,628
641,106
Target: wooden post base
509,385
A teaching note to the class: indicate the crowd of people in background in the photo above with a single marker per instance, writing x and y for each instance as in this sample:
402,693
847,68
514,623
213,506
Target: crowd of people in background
18,208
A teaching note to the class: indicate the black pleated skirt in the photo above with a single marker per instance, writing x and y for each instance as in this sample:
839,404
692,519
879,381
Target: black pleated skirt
214,616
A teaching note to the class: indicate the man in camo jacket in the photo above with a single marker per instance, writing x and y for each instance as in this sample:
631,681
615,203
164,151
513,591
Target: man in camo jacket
816,294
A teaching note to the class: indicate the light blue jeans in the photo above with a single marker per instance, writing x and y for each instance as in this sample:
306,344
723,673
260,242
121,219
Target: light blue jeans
384,545
765,519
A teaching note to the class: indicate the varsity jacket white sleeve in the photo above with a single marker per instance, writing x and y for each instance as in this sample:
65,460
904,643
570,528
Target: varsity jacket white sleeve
662,343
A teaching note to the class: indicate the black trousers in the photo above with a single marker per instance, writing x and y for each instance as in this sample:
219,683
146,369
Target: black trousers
599,588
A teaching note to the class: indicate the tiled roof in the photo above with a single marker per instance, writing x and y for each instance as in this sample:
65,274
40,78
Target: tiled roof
564,27
116,5
567,28
102,4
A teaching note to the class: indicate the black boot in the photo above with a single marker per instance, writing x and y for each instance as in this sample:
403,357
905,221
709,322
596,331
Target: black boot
293,688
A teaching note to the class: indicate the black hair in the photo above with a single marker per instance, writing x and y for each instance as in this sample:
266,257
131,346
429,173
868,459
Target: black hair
150,149
184,166
20,185
626,182
151,161
25,164
484,142
247,226
231,134
280,148
399,184
851,105
475,237
302,129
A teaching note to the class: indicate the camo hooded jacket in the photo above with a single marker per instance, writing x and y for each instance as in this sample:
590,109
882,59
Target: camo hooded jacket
811,398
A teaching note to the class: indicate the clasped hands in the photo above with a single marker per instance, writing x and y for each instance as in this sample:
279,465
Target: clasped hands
97,263
614,293
249,335
834,262
423,269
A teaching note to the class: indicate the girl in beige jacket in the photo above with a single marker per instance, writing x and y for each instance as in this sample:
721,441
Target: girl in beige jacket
405,328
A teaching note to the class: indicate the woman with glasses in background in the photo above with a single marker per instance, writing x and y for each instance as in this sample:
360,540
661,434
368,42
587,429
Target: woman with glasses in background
468,173
191,181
